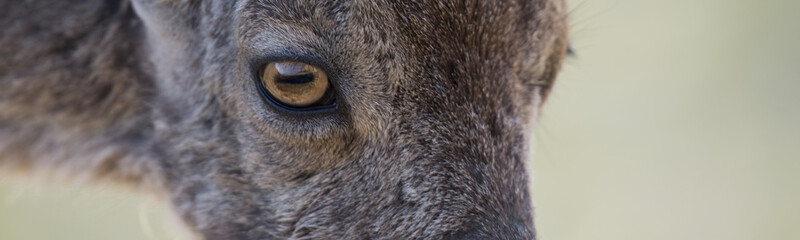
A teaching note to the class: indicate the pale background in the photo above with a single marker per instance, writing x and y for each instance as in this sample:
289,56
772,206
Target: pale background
676,119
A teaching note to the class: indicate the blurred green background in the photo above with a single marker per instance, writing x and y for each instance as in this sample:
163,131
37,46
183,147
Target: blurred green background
675,120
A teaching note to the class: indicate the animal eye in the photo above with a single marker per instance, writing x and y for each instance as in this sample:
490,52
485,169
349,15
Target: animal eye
296,85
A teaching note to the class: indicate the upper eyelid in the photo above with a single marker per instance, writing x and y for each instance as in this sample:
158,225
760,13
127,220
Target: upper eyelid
258,63
290,68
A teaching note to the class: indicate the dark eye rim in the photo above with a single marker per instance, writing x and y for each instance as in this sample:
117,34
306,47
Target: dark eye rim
330,94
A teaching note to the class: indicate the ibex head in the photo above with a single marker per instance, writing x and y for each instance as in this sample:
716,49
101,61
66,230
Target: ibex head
264,119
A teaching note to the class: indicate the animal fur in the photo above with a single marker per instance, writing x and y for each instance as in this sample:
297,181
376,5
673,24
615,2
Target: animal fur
436,100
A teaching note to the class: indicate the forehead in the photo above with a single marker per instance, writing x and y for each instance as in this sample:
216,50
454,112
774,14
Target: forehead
464,10
398,42
457,21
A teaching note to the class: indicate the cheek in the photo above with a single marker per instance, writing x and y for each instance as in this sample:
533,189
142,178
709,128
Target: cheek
277,160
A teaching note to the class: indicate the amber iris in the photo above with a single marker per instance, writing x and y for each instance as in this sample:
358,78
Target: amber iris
295,84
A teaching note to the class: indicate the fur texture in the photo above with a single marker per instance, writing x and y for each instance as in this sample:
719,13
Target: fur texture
429,141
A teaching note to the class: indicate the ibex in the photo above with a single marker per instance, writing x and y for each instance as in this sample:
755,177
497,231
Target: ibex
274,119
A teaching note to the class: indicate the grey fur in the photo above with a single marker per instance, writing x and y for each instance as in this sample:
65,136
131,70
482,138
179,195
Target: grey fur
429,141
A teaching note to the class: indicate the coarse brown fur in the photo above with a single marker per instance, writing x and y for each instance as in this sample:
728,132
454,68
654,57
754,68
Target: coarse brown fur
429,140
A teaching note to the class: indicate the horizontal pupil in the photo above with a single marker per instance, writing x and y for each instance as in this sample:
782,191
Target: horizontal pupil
295,79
